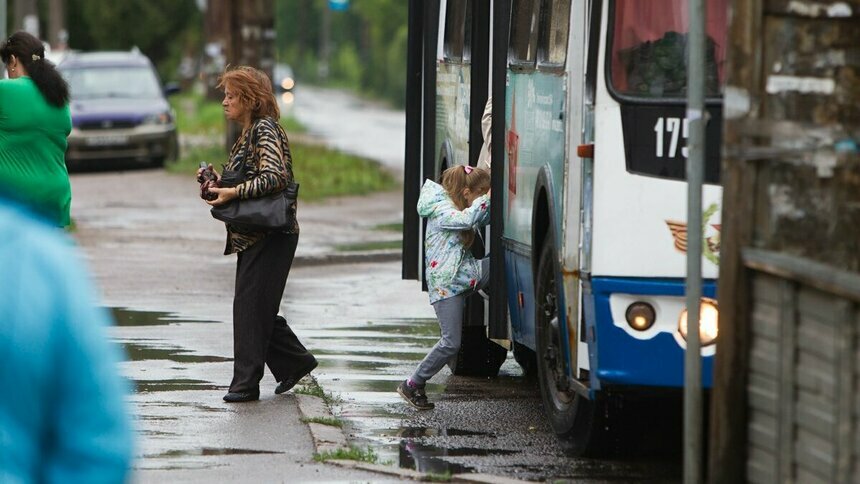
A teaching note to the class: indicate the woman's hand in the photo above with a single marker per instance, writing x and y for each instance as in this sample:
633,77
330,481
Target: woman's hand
224,195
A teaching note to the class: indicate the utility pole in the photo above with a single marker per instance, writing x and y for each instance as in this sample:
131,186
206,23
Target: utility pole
27,16
695,176
238,33
3,18
57,33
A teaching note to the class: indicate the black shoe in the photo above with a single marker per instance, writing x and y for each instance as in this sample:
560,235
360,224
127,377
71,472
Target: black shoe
414,396
236,397
290,382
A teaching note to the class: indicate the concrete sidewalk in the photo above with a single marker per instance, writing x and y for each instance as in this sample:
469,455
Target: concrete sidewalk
153,246
151,207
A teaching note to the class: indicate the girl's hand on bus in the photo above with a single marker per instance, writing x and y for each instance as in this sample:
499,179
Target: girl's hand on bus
488,192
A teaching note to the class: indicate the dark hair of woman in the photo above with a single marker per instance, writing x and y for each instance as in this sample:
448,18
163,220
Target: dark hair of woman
31,54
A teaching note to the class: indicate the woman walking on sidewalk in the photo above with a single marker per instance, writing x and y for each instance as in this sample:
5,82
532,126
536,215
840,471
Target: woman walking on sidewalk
454,210
34,124
260,336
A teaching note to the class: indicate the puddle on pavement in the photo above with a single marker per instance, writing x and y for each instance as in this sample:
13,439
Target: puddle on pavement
209,451
141,352
363,363
128,317
175,385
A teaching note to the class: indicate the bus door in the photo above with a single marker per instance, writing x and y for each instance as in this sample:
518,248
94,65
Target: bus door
454,75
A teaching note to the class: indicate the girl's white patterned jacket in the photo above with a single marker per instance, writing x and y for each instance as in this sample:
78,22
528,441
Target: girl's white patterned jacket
451,267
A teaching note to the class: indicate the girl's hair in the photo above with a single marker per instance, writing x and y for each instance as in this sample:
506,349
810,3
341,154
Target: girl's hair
31,54
455,180
254,88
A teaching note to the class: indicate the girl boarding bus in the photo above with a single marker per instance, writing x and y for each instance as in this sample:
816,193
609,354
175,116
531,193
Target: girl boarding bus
588,153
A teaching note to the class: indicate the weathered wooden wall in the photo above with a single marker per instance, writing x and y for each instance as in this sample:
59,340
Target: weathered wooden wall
791,177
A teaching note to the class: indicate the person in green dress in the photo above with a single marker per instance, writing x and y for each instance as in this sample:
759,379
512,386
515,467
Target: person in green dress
34,124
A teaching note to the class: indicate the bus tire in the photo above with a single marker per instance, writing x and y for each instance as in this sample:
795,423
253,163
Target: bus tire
578,421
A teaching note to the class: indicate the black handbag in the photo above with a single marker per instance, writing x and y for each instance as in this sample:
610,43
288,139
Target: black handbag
274,212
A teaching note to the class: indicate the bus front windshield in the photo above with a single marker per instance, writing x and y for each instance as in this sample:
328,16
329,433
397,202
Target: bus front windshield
649,38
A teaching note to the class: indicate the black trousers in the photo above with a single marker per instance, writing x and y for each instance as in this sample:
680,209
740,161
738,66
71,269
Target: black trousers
260,337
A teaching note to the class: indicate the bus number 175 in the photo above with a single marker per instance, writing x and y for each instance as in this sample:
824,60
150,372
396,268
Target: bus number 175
673,129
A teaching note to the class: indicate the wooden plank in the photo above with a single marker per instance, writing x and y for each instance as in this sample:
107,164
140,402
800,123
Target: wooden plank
813,454
763,357
763,393
766,288
816,414
787,344
765,321
816,375
825,277
761,466
845,424
818,338
762,430
727,449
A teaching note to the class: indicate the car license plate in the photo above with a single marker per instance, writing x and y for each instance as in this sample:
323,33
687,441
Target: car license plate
107,140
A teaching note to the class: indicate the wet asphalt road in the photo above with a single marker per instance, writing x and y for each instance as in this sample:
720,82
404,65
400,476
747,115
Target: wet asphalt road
367,327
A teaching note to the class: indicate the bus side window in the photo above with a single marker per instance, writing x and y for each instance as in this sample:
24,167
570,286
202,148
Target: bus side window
554,26
524,29
458,30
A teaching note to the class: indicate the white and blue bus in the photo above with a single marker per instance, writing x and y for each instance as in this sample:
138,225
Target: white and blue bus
588,231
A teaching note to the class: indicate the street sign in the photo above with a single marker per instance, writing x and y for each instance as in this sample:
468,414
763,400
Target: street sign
338,5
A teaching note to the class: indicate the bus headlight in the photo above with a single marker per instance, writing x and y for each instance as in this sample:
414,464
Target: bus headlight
640,315
708,322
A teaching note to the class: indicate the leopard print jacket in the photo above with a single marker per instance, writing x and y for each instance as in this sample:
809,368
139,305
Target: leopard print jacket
269,169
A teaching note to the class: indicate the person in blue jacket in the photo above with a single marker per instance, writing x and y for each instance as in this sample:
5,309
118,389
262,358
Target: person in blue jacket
63,417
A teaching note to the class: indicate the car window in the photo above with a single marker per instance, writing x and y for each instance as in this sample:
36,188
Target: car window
113,82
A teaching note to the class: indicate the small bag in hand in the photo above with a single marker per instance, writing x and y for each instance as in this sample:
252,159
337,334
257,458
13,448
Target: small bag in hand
272,212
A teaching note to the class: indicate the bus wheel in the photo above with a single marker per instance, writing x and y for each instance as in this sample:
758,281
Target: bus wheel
576,420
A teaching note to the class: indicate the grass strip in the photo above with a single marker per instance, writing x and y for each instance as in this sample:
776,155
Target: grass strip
330,421
314,389
352,453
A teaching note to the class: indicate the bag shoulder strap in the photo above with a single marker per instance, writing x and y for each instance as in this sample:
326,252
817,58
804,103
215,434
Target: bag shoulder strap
248,146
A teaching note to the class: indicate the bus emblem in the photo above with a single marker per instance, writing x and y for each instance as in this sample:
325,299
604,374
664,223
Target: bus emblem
711,244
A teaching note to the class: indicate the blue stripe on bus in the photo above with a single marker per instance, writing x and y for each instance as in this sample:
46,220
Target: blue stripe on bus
620,359
519,278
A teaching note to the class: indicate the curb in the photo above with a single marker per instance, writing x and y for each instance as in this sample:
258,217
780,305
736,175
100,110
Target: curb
335,258
328,438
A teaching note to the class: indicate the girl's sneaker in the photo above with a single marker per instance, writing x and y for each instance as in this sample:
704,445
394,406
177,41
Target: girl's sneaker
414,396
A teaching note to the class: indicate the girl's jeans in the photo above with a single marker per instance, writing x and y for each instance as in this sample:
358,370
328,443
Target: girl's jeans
449,312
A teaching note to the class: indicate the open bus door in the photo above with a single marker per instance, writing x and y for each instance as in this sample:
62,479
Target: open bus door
428,27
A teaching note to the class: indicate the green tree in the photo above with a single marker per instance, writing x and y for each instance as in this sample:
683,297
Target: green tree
161,29
367,44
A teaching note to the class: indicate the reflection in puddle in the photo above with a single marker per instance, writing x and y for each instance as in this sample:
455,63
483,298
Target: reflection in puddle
127,317
139,352
418,455
209,451
180,384
364,364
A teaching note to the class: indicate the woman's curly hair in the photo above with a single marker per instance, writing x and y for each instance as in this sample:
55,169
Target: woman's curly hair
254,89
